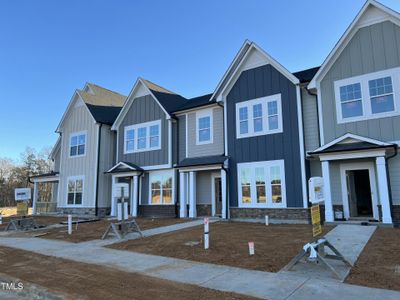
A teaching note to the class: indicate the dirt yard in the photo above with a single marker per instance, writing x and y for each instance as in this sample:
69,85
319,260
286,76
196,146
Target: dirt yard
379,264
40,220
86,281
95,230
275,245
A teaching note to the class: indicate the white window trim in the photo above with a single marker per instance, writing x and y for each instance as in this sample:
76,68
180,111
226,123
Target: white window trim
268,190
264,102
82,177
202,114
69,143
135,127
365,96
167,173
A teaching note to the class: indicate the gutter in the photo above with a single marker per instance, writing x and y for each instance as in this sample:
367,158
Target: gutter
98,172
177,159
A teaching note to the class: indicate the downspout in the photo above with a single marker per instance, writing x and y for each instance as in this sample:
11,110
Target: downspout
177,183
395,147
98,171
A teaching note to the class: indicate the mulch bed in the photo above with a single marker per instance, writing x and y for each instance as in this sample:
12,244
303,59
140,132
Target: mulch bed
275,245
87,281
379,264
95,230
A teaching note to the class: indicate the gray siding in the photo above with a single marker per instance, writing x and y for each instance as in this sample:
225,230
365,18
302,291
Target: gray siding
78,119
57,160
255,83
214,148
394,171
182,137
203,187
310,121
373,48
144,192
144,109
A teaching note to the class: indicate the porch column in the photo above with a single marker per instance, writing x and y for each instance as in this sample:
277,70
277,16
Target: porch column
223,193
113,181
35,197
182,195
327,191
192,195
134,196
383,190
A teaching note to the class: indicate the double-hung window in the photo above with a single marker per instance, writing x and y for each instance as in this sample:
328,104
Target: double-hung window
161,188
75,190
262,184
260,116
368,96
204,127
142,137
77,144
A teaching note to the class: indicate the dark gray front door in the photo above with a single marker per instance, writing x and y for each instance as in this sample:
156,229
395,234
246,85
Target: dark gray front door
218,196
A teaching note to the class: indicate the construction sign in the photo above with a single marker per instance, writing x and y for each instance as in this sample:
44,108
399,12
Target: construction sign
316,220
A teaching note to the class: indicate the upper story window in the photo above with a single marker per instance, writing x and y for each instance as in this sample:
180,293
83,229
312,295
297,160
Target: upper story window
204,127
77,144
368,96
259,116
261,184
142,137
75,190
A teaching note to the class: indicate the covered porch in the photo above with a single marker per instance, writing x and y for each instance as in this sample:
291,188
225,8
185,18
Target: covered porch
203,187
355,179
45,191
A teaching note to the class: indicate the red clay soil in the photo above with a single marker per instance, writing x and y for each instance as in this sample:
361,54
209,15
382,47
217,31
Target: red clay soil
275,245
379,264
95,230
86,281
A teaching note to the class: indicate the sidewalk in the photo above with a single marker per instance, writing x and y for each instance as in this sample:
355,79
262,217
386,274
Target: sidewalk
254,283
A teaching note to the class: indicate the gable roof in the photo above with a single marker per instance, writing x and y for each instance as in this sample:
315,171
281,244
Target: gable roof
371,13
306,75
102,104
240,57
196,102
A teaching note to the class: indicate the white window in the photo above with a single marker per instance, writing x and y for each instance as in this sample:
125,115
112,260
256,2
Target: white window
369,96
142,137
77,144
75,190
259,116
204,127
262,184
161,188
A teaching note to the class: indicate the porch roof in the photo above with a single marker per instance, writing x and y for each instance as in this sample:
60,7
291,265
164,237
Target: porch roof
201,161
45,177
124,167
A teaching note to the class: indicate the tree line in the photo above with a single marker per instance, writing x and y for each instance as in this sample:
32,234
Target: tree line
16,174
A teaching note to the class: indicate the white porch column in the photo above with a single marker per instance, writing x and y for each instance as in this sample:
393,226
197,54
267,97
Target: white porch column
35,197
327,192
134,196
113,204
182,195
223,194
192,195
383,190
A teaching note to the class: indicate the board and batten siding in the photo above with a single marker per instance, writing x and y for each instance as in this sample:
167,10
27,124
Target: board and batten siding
373,48
79,119
394,172
256,83
214,148
310,121
182,137
57,160
144,109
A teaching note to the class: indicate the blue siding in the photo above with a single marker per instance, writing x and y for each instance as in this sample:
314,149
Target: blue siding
255,83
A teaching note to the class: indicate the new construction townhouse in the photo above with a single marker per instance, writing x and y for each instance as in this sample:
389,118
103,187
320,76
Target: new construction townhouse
248,148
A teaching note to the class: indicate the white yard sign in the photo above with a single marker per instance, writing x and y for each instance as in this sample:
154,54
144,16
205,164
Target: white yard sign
22,194
316,188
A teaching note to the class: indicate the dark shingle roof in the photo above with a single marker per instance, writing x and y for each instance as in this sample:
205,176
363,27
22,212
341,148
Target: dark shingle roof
201,161
306,75
350,147
104,114
196,102
171,102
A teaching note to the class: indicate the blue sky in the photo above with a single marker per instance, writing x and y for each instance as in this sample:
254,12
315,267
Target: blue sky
50,48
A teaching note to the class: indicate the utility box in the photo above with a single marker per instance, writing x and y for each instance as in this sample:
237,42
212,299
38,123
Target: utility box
316,188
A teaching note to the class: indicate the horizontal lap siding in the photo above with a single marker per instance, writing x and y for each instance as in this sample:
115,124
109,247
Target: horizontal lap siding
373,48
144,109
310,121
255,83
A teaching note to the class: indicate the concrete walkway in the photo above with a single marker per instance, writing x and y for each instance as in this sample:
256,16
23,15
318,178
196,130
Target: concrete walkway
264,285
349,240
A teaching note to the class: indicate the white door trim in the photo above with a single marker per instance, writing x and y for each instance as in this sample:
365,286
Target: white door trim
372,179
213,200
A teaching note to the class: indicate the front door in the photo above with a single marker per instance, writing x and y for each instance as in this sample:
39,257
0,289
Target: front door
359,192
218,196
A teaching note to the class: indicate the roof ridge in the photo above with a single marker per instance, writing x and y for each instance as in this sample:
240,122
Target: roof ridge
146,81
106,89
